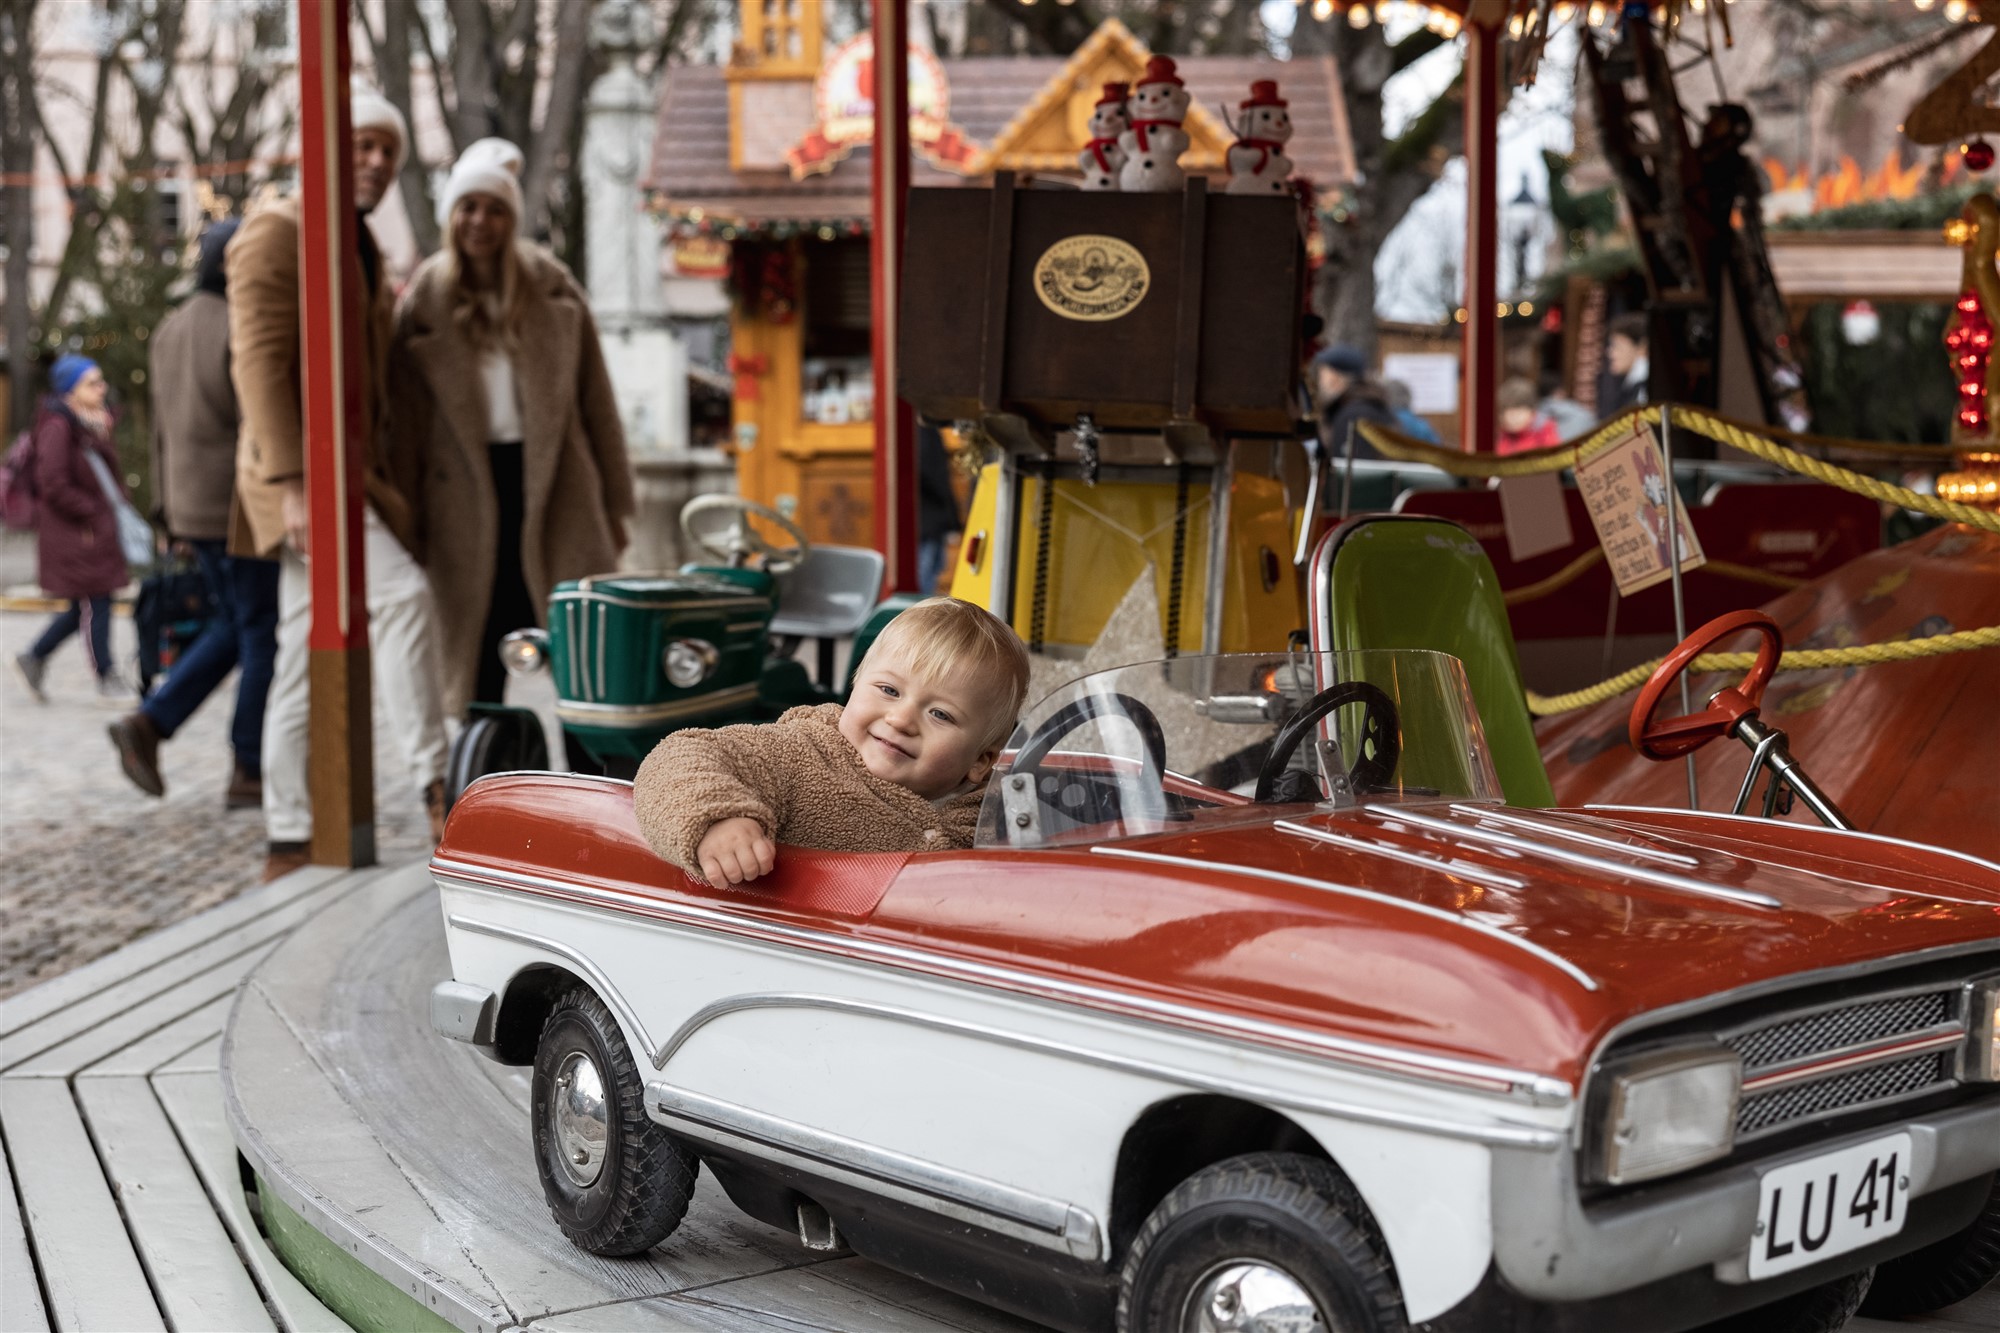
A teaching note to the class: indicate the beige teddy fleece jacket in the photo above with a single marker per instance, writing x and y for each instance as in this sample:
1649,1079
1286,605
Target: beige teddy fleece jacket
800,779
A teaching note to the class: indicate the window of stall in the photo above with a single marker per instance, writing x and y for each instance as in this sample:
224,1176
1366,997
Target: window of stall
837,385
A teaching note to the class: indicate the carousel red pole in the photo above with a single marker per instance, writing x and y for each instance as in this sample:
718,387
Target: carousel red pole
895,425
1478,422
331,358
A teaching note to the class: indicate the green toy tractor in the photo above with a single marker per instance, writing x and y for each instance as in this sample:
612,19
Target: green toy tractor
635,656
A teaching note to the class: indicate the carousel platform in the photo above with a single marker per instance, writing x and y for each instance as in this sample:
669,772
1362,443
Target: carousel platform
256,1092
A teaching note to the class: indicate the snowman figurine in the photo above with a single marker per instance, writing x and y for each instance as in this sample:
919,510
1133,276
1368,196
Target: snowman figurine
1102,157
1257,161
1154,144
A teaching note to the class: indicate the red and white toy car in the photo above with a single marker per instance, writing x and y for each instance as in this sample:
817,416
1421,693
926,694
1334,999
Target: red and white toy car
1255,1008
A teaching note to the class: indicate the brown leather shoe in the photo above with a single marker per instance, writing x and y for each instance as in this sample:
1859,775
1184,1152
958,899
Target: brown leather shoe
138,742
434,807
285,857
245,792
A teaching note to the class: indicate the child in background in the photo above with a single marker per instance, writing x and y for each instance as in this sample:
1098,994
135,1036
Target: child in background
1522,425
901,767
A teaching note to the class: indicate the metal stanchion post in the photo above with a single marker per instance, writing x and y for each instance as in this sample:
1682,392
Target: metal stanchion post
1674,568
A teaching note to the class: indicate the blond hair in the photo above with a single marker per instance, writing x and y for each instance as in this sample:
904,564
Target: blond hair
943,637
486,317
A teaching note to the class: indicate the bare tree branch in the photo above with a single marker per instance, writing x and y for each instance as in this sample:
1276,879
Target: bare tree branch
551,144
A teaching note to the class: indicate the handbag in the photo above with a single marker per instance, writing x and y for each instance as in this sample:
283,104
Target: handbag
135,534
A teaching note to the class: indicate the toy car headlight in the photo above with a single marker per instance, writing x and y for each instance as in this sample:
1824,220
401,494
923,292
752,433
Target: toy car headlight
689,662
525,651
1982,1054
1665,1111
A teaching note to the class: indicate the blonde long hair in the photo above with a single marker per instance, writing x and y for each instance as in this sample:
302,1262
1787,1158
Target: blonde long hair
486,317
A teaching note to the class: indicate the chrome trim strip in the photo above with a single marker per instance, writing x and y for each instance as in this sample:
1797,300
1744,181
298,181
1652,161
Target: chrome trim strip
1980,861
1602,865
1540,1089
1813,1068
1035,1218
1462,869
571,650
597,648
1513,1137
605,989
1548,956
707,602
640,715
1560,830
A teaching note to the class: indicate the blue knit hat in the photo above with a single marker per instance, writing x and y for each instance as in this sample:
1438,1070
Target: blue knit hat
68,369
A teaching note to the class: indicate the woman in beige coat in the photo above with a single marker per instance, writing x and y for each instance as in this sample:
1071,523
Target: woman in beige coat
498,389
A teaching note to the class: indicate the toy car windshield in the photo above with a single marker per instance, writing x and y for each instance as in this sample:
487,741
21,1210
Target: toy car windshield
1214,740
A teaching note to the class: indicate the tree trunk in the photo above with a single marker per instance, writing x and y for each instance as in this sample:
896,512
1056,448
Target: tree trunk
471,69
392,66
17,162
548,151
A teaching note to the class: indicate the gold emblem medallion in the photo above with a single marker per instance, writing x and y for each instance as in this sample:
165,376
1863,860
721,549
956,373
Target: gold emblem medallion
1092,277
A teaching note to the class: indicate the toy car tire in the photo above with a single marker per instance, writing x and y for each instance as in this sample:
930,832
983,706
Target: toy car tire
1942,1273
1826,1308
1288,1219
615,1182
502,741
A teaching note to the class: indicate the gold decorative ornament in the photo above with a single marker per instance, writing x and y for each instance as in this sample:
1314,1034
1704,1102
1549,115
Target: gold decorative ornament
1092,278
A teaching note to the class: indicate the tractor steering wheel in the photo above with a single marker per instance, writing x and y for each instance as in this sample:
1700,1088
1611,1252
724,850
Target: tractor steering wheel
729,537
1381,745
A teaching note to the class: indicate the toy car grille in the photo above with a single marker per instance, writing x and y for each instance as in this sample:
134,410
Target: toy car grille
1832,1029
1772,1046
1863,1087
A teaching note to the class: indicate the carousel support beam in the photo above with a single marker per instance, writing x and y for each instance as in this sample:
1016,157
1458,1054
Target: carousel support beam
1478,423
895,424
332,358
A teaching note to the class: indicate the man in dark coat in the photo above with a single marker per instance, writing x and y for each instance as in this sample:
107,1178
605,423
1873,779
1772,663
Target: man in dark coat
1347,397
194,470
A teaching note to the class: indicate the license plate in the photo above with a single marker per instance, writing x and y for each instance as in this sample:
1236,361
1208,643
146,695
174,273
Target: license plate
1827,1205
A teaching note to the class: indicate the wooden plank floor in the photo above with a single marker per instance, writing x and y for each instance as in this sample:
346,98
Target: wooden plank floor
124,1206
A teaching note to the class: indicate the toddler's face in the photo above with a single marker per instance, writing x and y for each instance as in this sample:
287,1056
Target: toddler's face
915,731
1514,420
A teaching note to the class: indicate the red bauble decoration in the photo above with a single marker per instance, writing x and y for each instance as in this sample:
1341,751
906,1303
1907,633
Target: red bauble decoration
1978,154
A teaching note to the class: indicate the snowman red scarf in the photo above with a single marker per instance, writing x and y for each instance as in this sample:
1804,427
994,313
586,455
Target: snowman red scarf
1139,128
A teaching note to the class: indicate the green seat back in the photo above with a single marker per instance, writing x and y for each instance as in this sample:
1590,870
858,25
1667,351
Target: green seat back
1401,581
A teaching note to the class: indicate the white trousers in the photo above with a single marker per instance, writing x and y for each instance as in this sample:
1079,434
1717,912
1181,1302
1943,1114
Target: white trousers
402,638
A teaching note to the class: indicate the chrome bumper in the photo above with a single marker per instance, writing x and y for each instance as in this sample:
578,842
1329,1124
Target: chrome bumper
1550,1248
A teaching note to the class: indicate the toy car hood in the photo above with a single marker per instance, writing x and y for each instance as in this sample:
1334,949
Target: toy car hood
1458,931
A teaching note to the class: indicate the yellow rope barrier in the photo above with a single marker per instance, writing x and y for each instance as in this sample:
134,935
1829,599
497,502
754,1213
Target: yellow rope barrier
1752,574
1562,578
1796,659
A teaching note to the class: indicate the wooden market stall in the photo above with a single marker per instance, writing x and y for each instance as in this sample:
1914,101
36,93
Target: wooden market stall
770,156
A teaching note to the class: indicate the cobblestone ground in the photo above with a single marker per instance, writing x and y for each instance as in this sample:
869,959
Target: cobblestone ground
88,862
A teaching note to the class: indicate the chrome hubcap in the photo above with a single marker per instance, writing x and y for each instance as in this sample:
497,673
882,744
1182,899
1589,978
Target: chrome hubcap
578,1119
1244,1296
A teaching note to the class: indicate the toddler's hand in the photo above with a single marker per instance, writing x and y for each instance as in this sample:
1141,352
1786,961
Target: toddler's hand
735,851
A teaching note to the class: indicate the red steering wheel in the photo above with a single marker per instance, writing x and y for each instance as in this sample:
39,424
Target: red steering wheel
1683,735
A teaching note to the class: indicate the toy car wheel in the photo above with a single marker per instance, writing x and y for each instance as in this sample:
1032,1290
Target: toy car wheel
616,1182
1942,1273
1264,1241
1822,1309
506,740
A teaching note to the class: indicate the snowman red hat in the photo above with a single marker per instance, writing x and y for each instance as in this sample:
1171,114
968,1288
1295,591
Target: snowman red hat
1160,69
1115,94
1263,92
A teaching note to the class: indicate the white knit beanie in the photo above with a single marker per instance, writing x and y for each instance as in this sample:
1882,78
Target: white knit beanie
490,166
369,110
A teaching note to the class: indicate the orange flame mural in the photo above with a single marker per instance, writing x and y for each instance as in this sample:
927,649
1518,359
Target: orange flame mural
1847,184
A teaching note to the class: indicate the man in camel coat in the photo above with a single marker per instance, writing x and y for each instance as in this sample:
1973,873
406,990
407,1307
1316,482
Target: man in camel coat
270,513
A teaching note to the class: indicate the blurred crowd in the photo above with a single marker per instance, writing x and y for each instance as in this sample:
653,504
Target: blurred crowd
495,468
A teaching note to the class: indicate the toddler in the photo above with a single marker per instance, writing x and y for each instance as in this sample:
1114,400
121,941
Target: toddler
901,767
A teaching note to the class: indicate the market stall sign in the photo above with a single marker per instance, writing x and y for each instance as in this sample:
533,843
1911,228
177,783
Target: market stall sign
1625,490
844,102
701,257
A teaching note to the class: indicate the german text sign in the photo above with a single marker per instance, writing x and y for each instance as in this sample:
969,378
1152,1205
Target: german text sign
1625,490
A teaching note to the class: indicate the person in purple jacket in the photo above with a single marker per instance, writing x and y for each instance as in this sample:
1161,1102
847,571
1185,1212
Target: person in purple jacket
76,527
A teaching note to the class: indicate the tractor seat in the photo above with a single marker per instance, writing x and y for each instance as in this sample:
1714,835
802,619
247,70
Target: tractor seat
829,594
